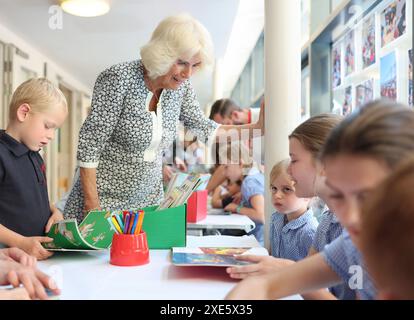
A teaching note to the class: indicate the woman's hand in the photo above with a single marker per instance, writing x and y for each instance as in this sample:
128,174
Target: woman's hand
18,255
33,246
261,265
89,206
55,216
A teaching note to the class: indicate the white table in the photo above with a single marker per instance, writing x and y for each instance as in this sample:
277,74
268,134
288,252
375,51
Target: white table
90,276
231,222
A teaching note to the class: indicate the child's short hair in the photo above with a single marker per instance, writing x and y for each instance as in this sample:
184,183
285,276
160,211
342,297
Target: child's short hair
388,232
39,93
280,168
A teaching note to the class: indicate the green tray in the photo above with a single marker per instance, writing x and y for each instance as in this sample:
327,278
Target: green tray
166,228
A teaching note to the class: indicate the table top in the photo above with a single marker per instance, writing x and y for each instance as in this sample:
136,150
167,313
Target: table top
231,221
89,275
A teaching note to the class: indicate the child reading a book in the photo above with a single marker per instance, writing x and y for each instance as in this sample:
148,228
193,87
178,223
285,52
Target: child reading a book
293,225
240,166
37,109
360,153
305,143
388,237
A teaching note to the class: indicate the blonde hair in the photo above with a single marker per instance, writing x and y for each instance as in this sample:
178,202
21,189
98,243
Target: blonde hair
280,168
312,133
388,237
381,130
175,37
39,93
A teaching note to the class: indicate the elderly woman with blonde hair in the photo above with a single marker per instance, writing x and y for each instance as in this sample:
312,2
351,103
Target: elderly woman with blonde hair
136,107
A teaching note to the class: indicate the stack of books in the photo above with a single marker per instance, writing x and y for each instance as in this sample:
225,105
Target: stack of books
181,187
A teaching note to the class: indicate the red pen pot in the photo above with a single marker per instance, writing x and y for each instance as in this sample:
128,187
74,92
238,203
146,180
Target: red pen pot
129,249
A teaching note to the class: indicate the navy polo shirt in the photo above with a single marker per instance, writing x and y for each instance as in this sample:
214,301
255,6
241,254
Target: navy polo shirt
24,201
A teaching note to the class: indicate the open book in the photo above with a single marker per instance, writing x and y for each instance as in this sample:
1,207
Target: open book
213,256
94,233
180,189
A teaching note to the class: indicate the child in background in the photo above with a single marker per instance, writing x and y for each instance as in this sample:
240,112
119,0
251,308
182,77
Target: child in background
293,225
358,156
240,166
37,109
226,193
388,237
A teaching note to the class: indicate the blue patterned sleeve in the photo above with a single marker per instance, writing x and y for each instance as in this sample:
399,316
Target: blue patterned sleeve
319,240
335,256
251,187
306,240
193,118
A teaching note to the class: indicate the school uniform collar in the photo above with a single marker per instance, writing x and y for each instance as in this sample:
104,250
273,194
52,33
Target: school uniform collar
299,222
15,147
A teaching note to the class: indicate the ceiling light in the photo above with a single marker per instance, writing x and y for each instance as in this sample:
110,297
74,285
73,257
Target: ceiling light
85,8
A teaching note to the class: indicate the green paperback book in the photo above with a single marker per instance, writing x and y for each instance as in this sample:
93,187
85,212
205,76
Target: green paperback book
93,233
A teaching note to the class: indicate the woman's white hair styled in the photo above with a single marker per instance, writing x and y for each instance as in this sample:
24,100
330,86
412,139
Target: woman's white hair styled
176,37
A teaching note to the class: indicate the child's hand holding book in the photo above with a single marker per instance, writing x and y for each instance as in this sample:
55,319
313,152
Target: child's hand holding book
33,246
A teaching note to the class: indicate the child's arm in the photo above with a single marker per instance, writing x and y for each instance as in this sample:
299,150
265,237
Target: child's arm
31,245
260,266
304,276
321,294
216,179
33,280
14,294
216,200
18,255
255,213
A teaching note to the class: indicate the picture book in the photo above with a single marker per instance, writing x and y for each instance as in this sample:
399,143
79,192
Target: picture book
388,76
213,256
349,56
368,42
393,22
336,66
410,77
179,194
364,93
177,179
94,233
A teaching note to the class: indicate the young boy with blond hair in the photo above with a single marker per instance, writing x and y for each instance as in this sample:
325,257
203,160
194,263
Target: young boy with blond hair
37,109
293,225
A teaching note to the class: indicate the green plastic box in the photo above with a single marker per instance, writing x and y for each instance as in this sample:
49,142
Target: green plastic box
165,228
